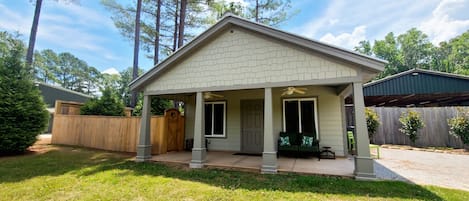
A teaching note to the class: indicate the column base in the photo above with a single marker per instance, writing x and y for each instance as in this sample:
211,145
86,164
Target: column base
364,168
198,157
269,163
143,153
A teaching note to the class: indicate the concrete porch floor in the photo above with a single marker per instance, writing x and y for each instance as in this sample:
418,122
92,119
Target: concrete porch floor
339,167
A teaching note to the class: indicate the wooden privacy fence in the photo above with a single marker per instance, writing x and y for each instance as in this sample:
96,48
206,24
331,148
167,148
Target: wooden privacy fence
435,133
118,133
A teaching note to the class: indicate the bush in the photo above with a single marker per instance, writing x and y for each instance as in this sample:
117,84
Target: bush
411,123
372,122
108,105
23,113
459,125
158,106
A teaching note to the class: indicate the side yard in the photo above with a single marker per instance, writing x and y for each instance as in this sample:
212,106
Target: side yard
422,167
67,173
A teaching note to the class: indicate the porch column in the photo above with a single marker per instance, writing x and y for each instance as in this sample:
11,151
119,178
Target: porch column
199,150
363,163
144,143
269,155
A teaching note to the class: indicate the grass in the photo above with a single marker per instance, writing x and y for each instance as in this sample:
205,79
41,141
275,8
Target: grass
80,174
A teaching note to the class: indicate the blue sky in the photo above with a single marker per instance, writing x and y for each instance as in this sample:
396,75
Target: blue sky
87,31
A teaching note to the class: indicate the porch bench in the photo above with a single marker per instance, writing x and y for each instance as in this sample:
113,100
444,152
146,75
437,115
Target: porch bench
296,145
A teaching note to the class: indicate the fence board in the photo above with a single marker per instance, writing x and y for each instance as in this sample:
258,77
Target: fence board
435,133
107,133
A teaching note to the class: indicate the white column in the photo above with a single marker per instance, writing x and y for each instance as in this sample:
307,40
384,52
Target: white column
199,150
269,155
144,142
364,167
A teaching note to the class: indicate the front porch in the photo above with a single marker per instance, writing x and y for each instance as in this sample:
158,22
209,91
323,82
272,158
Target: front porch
342,167
242,84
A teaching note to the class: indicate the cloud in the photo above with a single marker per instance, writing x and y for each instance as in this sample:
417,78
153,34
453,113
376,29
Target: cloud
14,21
63,27
446,21
378,16
346,40
111,71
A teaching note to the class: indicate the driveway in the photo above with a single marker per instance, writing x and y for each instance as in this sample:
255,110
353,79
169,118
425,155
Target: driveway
420,167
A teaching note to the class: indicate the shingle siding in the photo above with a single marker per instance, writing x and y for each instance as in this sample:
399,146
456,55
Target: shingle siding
244,58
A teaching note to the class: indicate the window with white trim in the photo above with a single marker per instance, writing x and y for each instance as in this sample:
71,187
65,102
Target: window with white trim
215,119
300,115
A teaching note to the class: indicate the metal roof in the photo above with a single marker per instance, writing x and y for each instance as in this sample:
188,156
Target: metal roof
417,81
418,87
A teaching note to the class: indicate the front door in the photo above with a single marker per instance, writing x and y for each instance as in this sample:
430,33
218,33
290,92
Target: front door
252,126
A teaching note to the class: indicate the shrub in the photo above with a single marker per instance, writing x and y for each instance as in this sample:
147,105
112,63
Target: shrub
459,125
23,113
411,123
158,106
108,105
372,122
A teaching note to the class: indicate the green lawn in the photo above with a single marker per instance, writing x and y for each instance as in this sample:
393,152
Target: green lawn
81,174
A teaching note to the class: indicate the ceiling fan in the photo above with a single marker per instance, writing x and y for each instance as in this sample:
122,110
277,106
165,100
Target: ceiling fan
210,95
291,90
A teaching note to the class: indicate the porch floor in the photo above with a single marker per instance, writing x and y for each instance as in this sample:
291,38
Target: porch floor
339,167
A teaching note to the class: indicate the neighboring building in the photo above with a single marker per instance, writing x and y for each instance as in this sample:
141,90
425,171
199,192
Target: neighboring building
51,94
418,88
242,84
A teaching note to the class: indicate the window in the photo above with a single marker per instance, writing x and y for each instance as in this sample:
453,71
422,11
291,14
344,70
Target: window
215,119
300,115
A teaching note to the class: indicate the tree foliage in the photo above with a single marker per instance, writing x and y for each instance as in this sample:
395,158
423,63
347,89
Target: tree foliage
372,122
198,16
66,70
459,125
411,123
23,113
413,49
158,106
109,104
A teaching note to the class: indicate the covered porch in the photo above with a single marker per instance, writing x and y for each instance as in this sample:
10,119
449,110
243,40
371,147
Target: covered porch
262,133
341,167
249,67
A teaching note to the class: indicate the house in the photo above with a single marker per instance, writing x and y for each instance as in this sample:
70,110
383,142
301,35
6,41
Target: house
232,77
418,88
51,94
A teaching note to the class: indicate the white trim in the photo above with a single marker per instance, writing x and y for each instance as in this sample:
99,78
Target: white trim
315,105
212,103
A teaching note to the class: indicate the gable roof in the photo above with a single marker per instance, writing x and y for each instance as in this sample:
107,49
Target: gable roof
366,62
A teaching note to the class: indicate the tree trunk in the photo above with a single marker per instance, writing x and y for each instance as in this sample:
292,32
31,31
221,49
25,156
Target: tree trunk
133,101
257,11
32,35
157,37
175,35
182,18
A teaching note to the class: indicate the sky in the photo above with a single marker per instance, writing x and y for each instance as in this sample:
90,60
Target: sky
87,31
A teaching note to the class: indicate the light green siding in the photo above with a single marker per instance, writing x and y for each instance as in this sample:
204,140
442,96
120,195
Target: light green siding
329,117
241,57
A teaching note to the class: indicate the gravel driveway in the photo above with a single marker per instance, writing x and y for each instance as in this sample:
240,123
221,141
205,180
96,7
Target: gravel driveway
420,167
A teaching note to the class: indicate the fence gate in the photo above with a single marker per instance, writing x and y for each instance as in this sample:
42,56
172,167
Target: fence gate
174,130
